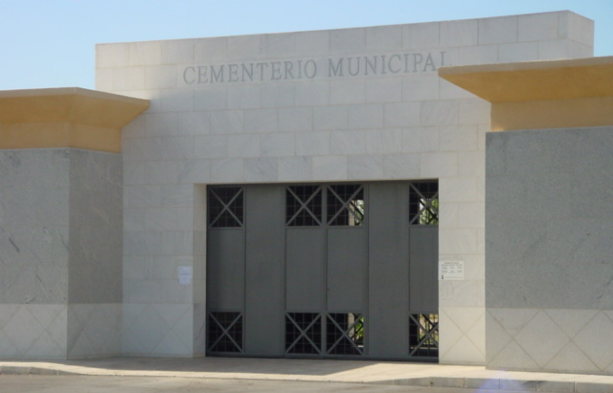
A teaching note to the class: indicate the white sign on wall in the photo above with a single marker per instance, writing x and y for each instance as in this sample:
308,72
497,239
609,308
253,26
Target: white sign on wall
184,274
451,270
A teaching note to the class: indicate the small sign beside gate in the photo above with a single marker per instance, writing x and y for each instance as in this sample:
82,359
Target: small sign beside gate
451,270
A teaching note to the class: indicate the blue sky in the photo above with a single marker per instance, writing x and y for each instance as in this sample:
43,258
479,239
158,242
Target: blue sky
51,43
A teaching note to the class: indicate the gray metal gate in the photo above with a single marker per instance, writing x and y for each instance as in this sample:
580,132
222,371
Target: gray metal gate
323,270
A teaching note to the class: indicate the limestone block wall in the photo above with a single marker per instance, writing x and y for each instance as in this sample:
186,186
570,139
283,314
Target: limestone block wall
549,296
295,108
60,253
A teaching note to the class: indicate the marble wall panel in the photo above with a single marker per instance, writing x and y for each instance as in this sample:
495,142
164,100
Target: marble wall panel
550,340
421,35
145,53
312,43
94,330
498,30
460,33
577,28
384,37
33,331
177,51
535,27
160,329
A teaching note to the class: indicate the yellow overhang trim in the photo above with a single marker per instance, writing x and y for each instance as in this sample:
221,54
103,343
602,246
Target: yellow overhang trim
535,80
72,104
545,114
65,117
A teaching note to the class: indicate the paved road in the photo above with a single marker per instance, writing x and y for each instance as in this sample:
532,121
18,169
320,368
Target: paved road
91,384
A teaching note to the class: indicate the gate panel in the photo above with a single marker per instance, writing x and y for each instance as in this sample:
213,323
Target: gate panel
324,270
305,269
225,282
423,284
264,215
347,262
387,324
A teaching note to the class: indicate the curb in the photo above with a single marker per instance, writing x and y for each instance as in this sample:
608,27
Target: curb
20,370
426,382
504,384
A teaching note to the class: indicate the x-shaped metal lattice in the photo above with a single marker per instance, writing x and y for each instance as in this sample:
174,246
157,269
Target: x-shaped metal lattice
304,205
350,334
304,333
348,205
428,211
226,207
225,331
427,332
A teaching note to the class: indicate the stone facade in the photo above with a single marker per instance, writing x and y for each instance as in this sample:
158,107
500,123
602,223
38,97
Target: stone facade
295,108
94,231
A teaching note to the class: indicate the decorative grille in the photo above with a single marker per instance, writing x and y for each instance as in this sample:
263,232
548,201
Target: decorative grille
345,334
423,335
303,205
303,333
225,207
346,205
423,203
225,332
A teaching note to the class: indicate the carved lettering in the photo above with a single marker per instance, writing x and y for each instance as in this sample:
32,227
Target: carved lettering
217,76
202,78
247,69
429,63
335,70
233,71
418,58
350,69
276,70
370,63
389,65
261,67
289,66
312,72
189,75
335,67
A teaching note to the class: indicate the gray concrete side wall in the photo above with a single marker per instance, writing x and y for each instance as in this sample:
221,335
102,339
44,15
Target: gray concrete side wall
96,254
34,189
549,250
60,254
96,240
34,226
549,219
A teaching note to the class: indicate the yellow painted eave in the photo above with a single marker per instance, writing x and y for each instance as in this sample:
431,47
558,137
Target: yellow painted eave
72,104
65,117
535,80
